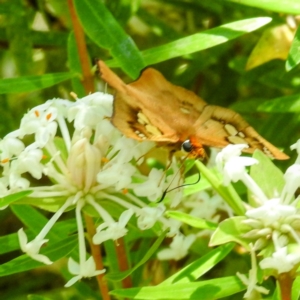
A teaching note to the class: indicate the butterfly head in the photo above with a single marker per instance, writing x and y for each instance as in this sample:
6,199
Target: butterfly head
194,148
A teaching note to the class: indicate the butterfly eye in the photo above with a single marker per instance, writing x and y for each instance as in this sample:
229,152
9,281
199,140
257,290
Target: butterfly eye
187,146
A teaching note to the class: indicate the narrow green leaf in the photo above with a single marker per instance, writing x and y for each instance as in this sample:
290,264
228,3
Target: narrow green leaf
282,104
294,54
148,255
32,83
29,216
286,6
104,30
204,290
24,263
191,220
201,266
200,41
266,175
14,197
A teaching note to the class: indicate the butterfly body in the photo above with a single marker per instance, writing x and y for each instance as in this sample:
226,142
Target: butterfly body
152,108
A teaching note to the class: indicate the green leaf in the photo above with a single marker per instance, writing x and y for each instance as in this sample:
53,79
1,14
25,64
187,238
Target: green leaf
282,104
29,216
296,289
266,175
200,41
32,83
200,266
231,230
24,263
286,6
204,290
190,220
273,44
104,30
14,197
294,53
148,255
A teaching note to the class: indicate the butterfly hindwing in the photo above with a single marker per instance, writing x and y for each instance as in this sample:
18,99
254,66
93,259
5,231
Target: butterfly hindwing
218,126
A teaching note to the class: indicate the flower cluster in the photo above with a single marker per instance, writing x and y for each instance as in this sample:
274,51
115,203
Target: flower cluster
85,165
272,220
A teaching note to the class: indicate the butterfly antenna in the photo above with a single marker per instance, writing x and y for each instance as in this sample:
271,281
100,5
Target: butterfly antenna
168,166
177,187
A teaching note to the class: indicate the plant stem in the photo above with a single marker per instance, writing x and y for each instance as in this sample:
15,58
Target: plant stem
123,262
88,80
96,252
285,281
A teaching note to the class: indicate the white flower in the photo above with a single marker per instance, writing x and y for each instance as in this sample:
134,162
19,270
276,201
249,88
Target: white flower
206,207
152,188
32,248
29,161
271,212
117,175
292,182
129,148
149,215
281,261
296,147
113,230
84,270
234,169
88,111
178,248
17,183
84,164
10,146
229,152
40,121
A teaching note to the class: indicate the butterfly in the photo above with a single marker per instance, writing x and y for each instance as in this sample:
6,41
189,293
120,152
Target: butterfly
152,108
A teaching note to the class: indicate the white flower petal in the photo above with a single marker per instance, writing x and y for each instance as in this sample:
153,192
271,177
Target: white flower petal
73,280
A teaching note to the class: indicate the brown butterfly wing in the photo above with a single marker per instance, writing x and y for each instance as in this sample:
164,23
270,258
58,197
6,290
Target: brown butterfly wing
218,127
152,108
155,109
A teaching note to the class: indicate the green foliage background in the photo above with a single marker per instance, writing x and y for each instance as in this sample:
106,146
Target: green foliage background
36,40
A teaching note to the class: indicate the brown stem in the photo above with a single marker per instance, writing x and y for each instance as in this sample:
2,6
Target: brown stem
88,80
96,252
285,281
123,262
